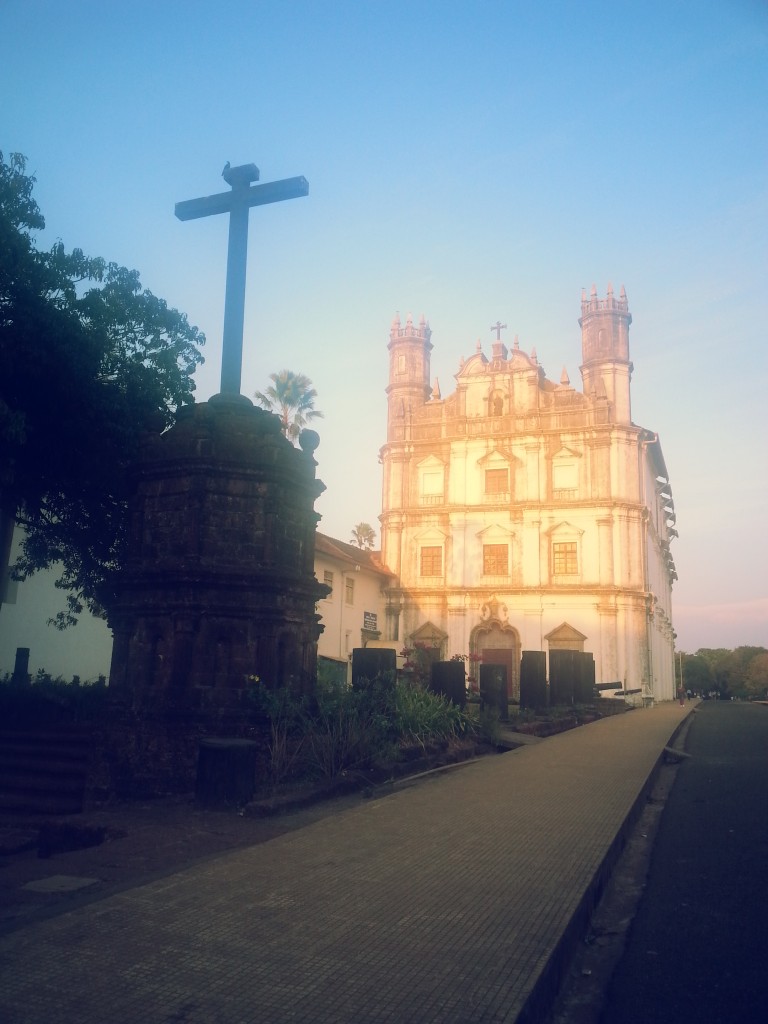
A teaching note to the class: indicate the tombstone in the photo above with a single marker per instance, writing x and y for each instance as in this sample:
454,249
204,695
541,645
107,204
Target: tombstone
21,667
584,688
493,689
562,677
373,664
447,678
226,772
533,679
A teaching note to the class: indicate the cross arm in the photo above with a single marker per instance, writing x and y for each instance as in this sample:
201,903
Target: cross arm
256,195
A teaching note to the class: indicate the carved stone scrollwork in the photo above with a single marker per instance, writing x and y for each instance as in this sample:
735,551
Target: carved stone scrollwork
494,609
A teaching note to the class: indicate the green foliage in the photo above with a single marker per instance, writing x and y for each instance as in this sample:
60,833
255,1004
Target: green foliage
291,397
330,672
48,701
89,361
756,676
287,715
489,725
341,729
423,717
733,673
350,729
418,661
697,674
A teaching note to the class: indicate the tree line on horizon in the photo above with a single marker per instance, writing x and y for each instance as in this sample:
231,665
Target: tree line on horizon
741,673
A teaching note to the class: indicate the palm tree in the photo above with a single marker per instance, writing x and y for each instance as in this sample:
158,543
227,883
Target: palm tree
363,535
291,397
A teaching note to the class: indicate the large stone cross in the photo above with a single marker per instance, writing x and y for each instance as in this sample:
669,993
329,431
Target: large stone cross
498,327
237,203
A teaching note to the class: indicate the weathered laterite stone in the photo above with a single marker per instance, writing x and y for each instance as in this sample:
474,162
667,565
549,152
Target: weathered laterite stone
219,585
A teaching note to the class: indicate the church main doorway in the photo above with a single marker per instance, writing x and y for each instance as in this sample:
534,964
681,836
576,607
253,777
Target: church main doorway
501,646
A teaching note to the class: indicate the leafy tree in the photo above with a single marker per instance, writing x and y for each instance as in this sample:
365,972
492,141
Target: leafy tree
697,674
729,668
756,676
89,361
291,397
364,536
722,665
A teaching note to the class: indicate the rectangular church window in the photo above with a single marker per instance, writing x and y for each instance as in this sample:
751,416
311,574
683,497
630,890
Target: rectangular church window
564,559
496,481
495,559
432,561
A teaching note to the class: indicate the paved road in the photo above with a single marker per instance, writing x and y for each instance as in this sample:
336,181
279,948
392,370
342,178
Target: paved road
456,901
698,947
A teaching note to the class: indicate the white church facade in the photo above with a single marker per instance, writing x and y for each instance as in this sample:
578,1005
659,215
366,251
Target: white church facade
519,514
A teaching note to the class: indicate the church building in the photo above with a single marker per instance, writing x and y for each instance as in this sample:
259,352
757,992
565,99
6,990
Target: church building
520,514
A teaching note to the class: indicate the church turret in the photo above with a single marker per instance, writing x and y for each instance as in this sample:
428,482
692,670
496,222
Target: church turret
607,370
409,387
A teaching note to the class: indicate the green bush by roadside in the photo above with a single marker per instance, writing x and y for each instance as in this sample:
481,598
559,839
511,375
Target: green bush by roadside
340,729
46,701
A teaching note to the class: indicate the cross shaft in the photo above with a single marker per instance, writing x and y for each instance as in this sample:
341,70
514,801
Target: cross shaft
237,203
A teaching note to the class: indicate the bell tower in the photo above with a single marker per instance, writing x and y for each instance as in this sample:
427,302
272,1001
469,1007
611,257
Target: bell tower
607,369
408,389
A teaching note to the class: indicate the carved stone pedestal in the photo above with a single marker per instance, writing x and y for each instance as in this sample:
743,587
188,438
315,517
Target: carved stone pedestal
219,587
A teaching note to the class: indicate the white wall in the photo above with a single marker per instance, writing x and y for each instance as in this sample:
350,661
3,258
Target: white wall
84,650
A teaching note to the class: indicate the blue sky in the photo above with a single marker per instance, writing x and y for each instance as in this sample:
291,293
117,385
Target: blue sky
473,162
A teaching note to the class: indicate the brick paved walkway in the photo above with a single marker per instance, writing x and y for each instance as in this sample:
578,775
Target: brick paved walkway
445,902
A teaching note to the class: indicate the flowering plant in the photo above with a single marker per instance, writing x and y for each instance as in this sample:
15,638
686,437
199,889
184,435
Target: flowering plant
418,661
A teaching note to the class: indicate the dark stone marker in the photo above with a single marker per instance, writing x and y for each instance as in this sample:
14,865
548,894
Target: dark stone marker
493,689
226,772
584,690
533,679
562,677
373,663
447,678
21,666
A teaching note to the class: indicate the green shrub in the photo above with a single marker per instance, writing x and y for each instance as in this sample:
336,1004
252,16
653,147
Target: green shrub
286,713
487,724
350,729
341,729
46,701
424,717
